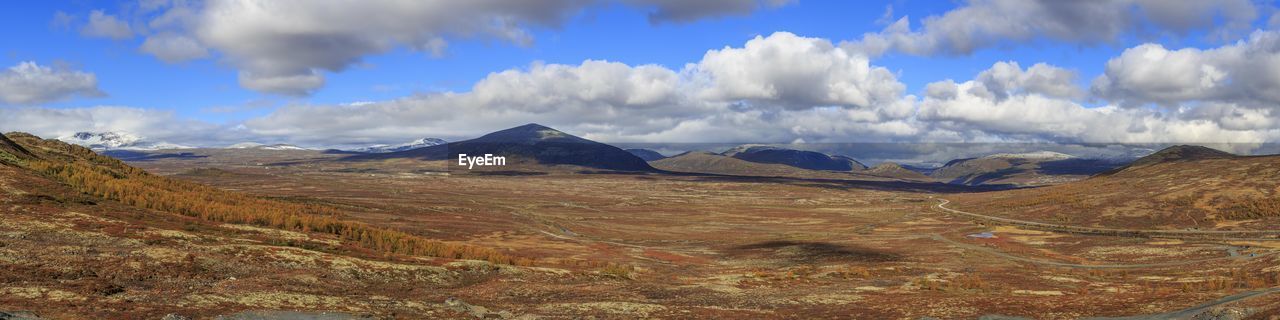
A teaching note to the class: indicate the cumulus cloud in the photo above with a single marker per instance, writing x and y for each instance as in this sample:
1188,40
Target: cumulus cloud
174,48
794,71
104,25
780,88
286,47
985,23
776,88
1246,73
1005,78
30,83
685,11
153,125
1030,115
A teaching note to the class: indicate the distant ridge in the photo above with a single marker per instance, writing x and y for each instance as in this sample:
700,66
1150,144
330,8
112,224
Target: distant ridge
383,148
646,154
803,159
1029,168
894,170
531,142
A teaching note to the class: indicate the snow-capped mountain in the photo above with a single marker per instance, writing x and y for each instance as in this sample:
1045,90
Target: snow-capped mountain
1038,155
117,141
260,146
245,145
384,148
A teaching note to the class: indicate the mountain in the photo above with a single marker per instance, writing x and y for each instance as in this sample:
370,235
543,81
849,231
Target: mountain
1181,153
646,154
384,148
716,163
803,159
116,140
530,143
259,146
894,170
1176,188
1027,169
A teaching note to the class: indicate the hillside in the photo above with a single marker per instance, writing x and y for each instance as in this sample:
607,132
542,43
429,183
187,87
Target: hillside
135,245
1179,187
894,170
803,159
646,154
527,144
715,163
1023,169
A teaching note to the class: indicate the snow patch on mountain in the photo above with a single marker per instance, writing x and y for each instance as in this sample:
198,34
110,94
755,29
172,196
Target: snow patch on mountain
116,141
385,148
1038,155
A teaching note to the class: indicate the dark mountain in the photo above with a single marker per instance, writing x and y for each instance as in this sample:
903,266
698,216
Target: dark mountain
531,143
803,159
646,154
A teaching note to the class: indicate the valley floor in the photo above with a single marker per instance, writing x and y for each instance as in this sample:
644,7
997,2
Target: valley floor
695,247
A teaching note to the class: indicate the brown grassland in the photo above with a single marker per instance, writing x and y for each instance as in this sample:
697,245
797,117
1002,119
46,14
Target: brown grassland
85,236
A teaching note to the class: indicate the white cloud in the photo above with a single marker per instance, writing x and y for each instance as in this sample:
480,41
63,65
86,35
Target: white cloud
796,72
104,25
174,48
153,125
1246,73
1036,116
779,88
776,88
1004,78
286,46
986,23
30,83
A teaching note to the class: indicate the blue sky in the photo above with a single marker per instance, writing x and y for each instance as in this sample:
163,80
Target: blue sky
207,91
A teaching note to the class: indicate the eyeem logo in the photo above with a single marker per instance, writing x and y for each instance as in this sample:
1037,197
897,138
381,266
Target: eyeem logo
483,161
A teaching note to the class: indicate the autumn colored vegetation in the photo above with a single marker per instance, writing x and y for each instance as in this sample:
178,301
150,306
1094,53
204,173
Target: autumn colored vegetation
112,179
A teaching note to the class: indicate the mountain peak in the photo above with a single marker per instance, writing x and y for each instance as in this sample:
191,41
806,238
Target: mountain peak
530,133
1183,153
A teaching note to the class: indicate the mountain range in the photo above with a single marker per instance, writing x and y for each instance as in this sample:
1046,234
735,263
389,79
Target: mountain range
1034,168
528,144
1178,187
388,148
537,144
116,141
803,159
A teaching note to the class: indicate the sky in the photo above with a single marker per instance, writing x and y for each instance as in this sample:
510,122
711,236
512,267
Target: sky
324,73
